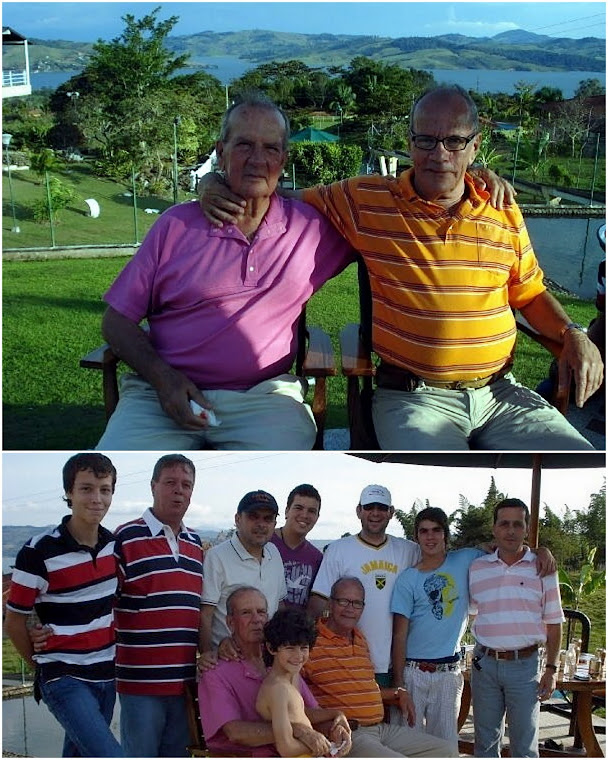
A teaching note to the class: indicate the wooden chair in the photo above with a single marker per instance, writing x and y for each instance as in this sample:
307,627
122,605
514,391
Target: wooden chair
359,367
197,746
315,359
578,626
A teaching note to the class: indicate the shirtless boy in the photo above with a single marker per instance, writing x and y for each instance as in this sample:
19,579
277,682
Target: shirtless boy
289,636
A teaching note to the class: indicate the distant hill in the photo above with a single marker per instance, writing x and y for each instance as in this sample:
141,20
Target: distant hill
14,536
516,49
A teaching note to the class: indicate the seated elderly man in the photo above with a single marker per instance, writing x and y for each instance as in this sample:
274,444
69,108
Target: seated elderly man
228,691
340,674
446,269
222,308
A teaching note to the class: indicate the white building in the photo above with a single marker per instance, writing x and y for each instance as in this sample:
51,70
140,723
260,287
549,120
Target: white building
16,79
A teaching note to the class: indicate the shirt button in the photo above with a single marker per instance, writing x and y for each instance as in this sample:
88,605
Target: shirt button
252,269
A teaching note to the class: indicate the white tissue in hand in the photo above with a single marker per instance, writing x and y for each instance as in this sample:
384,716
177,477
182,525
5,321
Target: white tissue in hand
206,414
334,748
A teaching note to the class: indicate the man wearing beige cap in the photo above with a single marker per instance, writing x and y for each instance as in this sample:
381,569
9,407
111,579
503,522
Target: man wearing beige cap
376,558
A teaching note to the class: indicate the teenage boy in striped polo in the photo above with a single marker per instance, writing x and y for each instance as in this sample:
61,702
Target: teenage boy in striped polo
516,611
68,576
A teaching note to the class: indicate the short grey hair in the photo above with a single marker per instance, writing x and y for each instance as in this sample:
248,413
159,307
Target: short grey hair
448,90
253,99
346,579
237,592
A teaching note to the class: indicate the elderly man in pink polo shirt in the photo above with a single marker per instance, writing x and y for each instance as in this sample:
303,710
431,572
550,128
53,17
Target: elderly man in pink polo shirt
222,307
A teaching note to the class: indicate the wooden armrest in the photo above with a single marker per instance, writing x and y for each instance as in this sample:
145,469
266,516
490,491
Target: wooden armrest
356,361
319,360
99,357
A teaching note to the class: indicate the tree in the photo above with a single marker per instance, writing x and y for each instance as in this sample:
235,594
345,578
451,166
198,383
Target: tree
344,99
533,153
548,94
129,95
588,88
136,62
474,524
406,519
385,89
487,156
593,525
588,581
571,123
45,161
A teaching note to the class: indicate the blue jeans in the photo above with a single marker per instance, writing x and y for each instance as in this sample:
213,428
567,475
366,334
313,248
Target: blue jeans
84,709
511,687
154,726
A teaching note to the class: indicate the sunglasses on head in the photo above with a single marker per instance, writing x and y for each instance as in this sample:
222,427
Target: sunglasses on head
371,507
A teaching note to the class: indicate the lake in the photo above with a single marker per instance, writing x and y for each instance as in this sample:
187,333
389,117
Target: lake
482,80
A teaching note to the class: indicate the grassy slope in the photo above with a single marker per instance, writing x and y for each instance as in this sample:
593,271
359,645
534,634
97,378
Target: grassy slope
115,223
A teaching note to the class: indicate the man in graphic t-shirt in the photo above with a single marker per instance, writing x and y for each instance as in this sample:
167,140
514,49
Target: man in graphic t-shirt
301,559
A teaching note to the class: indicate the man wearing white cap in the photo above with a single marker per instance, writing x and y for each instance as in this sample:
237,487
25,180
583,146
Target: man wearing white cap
376,559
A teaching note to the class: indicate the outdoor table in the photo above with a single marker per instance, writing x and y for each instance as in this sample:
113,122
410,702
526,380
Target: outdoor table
583,704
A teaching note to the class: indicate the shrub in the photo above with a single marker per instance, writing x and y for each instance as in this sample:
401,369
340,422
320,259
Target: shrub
322,163
61,196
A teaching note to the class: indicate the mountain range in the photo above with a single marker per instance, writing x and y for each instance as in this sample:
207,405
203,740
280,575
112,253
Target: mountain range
516,49
14,536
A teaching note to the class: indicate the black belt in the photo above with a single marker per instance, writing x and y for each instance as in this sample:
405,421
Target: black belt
399,379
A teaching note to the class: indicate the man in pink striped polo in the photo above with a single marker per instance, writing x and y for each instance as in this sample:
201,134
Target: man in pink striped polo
516,612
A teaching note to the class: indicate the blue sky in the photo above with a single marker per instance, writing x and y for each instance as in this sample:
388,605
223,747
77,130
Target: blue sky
89,21
31,487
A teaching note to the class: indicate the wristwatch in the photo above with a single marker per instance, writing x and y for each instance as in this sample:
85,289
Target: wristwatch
570,326
551,667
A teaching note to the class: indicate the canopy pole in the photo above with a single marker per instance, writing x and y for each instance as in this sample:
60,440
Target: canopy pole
535,501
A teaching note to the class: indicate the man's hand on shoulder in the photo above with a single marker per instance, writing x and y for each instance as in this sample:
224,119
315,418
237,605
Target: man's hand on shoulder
501,191
218,203
545,562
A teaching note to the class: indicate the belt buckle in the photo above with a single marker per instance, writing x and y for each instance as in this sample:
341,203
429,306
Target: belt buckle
458,385
427,667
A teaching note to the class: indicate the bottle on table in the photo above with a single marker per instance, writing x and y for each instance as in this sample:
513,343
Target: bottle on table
571,661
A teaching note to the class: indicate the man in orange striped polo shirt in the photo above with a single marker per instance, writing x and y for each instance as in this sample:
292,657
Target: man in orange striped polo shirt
340,674
446,269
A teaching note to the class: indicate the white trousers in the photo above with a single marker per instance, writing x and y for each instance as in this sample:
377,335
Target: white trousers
436,697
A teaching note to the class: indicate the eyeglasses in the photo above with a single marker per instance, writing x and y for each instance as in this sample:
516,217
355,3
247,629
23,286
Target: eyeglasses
356,604
452,143
371,507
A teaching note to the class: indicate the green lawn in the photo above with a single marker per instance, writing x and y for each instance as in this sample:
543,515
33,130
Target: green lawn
51,317
115,223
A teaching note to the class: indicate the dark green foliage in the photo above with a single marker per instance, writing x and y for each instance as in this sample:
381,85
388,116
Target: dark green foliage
382,89
589,87
129,95
322,163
